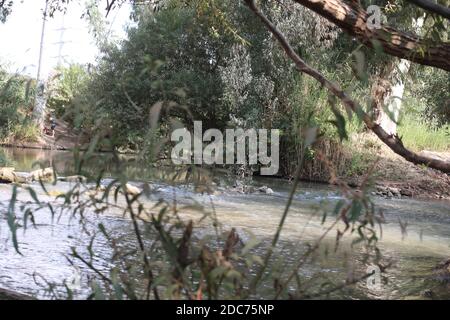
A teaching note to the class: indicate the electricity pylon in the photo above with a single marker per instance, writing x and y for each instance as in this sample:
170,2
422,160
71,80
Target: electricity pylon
39,98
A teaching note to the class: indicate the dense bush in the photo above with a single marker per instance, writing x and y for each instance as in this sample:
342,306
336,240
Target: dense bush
222,78
433,93
67,84
16,96
167,57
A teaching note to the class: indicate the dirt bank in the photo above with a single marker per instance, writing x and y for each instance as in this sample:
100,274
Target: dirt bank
394,174
65,139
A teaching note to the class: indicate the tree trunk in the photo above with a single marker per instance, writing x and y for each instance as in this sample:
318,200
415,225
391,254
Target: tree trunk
388,89
393,101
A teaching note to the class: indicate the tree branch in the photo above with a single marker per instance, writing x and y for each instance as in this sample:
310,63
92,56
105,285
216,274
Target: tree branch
432,7
392,141
351,18
109,6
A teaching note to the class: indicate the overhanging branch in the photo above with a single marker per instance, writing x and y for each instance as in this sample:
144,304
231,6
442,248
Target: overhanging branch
392,141
350,17
433,7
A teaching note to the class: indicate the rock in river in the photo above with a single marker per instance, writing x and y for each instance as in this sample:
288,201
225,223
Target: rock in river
132,190
44,175
7,175
266,190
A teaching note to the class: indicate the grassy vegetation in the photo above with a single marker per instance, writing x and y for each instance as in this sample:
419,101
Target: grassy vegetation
418,136
4,160
16,104
26,132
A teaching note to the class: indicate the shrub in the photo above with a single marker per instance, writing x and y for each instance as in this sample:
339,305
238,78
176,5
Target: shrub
16,95
65,86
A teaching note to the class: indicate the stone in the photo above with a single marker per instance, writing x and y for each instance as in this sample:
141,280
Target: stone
266,190
239,188
395,191
44,175
263,189
22,177
7,175
132,190
406,192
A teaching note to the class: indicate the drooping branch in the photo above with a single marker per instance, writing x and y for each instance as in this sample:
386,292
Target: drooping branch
432,7
352,18
392,141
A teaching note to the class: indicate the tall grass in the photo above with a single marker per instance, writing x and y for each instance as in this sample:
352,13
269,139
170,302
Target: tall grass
16,104
418,135
25,132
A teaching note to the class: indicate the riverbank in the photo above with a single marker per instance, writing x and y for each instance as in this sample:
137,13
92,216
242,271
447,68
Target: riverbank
64,139
394,177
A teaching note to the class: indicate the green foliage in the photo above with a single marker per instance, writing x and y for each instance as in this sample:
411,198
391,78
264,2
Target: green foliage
26,131
418,135
221,72
170,56
430,88
66,85
359,163
16,94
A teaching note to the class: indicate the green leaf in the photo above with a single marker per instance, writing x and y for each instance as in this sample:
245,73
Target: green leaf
33,195
12,220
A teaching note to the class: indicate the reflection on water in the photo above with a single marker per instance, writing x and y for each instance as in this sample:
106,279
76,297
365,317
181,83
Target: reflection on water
63,161
427,241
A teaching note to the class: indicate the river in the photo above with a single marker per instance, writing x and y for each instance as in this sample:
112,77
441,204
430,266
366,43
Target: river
414,255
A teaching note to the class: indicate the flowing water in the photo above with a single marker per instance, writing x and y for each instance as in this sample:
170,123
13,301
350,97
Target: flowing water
413,255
